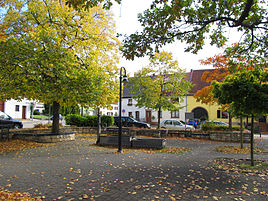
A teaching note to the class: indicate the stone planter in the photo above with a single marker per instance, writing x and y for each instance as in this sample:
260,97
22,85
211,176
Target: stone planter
112,140
45,137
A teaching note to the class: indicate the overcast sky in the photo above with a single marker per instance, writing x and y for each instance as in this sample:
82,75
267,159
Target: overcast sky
126,19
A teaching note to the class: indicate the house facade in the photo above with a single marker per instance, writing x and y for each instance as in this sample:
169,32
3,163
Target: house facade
148,115
188,104
16,109
203,111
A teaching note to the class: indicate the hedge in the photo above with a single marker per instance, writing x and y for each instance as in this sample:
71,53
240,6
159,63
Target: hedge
215,127
88,120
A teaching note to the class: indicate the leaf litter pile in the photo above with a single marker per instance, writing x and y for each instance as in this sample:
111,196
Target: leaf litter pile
6,195
18,145
238,150
242,165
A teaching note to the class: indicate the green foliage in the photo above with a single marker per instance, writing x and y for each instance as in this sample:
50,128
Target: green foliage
246,92
52,60
86,4
36,112
161,85
208,126
52,53
194,21
107,120
88,120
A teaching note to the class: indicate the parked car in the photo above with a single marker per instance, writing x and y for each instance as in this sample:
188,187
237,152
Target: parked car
175,124
130,122
60,117
217,123
8,121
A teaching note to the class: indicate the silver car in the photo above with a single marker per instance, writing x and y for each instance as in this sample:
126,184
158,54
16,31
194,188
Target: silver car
175,124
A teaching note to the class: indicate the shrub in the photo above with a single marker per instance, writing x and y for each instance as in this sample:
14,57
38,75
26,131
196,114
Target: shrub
215,127
107,120
88,120
36,112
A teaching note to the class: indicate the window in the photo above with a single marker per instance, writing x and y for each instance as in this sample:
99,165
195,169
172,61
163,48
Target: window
177,123
175,114
115,108
17,108
222,114
130,114
129,102
175,100
168,122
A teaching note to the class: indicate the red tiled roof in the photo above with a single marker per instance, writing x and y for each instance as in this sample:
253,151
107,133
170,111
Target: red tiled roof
195,78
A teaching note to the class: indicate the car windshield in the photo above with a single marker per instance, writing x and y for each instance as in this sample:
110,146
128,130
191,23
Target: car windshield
3,115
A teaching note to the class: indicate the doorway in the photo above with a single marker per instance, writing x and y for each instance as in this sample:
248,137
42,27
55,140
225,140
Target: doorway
23,112
149,116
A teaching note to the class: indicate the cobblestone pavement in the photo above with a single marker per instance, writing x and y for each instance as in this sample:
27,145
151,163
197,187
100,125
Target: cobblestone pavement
80,171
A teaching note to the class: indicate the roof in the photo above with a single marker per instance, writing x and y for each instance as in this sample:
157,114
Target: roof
195,78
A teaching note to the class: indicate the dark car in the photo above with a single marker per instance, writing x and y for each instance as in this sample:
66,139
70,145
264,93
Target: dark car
8,121
130,122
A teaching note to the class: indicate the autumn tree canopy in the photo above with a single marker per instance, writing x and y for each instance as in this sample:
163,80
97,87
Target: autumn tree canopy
54,53
161,85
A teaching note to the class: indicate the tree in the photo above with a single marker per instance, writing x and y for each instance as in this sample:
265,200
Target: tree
194,21
56,54
161,85
86,4
247,93
223,65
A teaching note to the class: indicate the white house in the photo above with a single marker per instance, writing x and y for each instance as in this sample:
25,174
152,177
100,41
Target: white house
112,110
148,115
16,109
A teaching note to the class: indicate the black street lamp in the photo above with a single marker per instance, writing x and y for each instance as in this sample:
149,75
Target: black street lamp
123,79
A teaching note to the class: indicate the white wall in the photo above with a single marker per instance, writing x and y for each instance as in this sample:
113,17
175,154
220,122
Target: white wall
165,114
112,110
10,107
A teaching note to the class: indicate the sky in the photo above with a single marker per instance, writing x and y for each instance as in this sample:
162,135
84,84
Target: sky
126,19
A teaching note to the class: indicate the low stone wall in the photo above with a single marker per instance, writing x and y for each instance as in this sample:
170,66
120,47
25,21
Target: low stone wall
215,136
45,138
229,137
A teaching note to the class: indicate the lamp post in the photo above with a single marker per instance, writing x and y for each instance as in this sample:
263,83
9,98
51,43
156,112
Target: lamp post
122,79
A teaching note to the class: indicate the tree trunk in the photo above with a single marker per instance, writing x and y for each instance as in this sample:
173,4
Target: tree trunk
99,126
230,122
252,142
55,123
158,117
241,132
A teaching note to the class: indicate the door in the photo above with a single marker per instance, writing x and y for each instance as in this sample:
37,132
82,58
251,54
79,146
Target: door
23,112
137,115
148,116
2,106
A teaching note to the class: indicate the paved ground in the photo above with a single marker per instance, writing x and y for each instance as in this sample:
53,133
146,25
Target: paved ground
73,170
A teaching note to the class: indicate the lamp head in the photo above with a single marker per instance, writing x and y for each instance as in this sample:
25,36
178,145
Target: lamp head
125,79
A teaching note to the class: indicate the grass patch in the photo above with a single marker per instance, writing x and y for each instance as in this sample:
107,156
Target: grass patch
169,150
40,117
242,165
238,150
258,165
